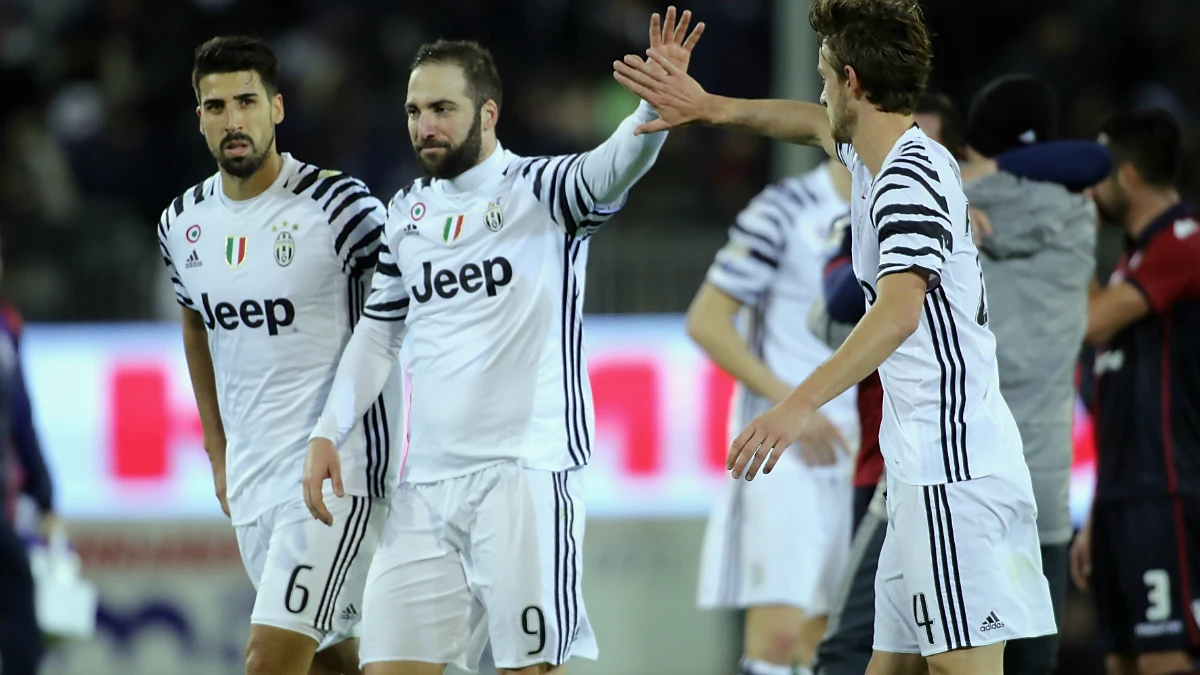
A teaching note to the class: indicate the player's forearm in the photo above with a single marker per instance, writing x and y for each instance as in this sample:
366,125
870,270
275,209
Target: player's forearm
204,384
789,121
619,162
880,333
718,338
367,361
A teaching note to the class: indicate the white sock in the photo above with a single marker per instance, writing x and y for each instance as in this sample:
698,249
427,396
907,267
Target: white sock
756,667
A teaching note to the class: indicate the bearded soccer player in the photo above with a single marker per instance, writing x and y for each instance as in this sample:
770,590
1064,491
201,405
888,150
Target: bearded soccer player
485,269
960,571
1138,550
270,258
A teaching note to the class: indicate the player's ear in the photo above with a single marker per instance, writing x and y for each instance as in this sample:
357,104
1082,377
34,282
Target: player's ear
1127,176
850,78
277,108
489,115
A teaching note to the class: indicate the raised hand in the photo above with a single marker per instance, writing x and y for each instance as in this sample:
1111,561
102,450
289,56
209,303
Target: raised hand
678,99
672,41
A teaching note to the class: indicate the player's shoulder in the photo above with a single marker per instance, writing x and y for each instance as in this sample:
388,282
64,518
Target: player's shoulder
412,194
1176,237
328,189
189,200
796,197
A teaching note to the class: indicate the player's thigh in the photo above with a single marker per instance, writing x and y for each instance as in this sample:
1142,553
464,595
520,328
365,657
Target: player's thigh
340,658
901,618
403,668
984,660
417,606
1150,572
526,567
971,561
313,574
890,663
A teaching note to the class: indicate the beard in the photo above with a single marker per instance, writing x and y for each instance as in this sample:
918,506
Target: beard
457,158
843,123
246,165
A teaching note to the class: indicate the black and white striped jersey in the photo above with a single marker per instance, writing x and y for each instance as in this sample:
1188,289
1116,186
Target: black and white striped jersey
483,279
773,264
944,419
281,280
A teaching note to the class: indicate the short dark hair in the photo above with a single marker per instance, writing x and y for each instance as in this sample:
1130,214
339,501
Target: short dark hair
937,103
235,54
1150,140
479,69
885,41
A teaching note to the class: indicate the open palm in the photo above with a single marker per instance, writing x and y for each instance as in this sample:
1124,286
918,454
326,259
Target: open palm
671,40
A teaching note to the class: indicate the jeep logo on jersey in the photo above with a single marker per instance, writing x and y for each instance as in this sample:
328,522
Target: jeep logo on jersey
471,278
275,314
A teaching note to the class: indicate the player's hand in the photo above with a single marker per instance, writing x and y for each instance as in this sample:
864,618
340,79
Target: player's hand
981,226
764,440
673,41
1081,556
218,469
321,464
821,443
678,99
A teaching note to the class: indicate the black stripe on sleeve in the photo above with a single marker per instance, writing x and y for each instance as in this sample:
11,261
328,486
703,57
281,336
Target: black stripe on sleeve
773,263
909,161
387,269
353,197
333,195
742,230
894,171
328,183
385,311
915,252
307,181
198,193
921,228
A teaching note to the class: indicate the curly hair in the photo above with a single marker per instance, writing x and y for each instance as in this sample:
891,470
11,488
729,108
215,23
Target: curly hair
884,41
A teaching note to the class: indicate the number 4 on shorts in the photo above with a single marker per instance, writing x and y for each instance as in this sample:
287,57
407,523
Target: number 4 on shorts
921,615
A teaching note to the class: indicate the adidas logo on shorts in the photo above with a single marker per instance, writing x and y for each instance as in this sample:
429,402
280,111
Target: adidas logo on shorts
350,614
992,622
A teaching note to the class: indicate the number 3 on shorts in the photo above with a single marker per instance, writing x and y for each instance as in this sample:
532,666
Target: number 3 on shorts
1158,595
533,622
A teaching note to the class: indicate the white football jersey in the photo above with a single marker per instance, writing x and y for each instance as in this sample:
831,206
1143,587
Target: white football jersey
280,280
773,264
944,419
488,272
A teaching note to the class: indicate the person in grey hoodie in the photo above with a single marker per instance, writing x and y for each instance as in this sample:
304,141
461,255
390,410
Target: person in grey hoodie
1037,262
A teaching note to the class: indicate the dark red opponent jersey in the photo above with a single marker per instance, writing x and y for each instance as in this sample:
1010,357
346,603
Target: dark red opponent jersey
1148,375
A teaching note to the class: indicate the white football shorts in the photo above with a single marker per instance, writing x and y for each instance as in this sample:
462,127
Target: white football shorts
309,577
961,566
496,555
781,539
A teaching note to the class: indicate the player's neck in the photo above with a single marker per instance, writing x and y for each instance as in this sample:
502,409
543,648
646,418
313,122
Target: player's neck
1147,209
239,189
486,147
877,134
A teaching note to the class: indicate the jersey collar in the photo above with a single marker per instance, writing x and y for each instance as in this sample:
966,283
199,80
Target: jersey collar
1163,221
479,174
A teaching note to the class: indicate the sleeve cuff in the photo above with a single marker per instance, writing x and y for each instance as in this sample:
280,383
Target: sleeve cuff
933,280
326,428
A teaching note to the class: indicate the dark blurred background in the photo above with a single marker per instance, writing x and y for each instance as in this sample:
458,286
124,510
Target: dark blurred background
100,133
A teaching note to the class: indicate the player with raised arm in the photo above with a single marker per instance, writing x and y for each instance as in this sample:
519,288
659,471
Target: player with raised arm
270,259
485,271
778,548
960,570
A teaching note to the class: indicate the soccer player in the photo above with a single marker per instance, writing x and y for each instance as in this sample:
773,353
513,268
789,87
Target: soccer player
270,258
960,571
776,548
484,267
1138,548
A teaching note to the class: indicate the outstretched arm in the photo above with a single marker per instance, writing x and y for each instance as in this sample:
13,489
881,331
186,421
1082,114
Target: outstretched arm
680,101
